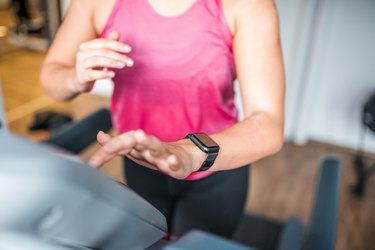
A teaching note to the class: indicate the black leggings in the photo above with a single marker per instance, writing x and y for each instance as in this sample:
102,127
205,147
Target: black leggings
214,204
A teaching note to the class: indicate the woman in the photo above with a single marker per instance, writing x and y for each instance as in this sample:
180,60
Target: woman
173,64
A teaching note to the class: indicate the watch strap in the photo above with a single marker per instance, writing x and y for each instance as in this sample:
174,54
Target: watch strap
211,156
208,162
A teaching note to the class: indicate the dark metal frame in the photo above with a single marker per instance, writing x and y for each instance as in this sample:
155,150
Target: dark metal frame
363,168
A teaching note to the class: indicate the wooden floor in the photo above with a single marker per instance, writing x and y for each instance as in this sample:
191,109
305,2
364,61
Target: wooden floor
281,186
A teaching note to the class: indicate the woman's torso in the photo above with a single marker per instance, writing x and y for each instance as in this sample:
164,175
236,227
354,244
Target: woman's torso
181,81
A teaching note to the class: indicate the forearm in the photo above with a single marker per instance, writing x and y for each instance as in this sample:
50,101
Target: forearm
58,81
254,138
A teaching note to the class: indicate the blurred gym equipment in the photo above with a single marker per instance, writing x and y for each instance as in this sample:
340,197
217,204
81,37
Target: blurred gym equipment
52,199
364,169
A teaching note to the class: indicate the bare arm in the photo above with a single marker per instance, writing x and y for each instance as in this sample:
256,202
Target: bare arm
260,72
77,57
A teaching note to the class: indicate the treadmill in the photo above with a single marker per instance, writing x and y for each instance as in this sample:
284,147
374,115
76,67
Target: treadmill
51,199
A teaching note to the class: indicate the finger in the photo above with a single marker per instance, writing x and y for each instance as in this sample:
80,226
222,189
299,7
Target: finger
100,157
174,167
141,139
154,145
148,157
163,167
101,43
83,55
135,154
100,61
114,35
173,163
93,75
109,54
103,137
121,144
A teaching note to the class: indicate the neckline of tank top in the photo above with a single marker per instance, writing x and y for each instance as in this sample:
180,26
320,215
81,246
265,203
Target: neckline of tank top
182,14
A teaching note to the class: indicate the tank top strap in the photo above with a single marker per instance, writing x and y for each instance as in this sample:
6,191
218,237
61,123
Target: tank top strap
216,7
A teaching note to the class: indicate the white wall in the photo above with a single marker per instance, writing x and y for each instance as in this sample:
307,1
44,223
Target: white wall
337,72
344,71
64,6
296,21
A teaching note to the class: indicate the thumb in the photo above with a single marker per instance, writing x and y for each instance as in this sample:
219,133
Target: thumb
114,35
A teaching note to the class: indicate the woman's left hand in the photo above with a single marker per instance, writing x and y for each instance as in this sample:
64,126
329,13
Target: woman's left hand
170,158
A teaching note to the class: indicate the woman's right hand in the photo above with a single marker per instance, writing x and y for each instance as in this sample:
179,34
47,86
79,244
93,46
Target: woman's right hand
96,58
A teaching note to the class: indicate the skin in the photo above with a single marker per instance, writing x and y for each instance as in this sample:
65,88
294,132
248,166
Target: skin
77,58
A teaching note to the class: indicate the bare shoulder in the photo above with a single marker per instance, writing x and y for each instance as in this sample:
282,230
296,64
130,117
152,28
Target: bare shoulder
246,12
81,23
79,9
258,12
81,5
97,11
102,11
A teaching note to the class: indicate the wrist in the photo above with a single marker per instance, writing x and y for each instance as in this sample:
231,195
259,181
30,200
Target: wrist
76,86
73,83
193,153
207,146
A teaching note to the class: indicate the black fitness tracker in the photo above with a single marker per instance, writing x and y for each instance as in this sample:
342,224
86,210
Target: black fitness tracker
207,145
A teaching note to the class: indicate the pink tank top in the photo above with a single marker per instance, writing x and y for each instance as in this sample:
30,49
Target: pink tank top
182,78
